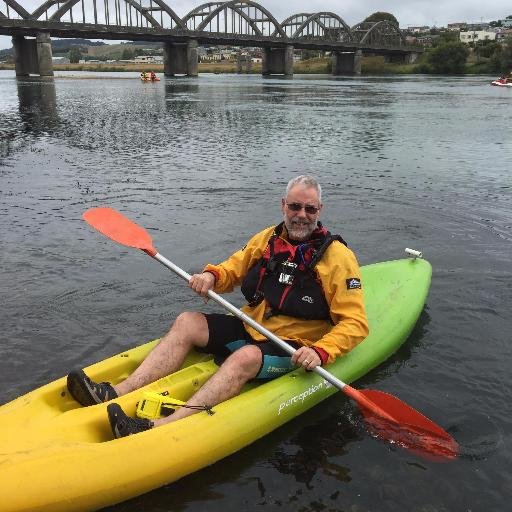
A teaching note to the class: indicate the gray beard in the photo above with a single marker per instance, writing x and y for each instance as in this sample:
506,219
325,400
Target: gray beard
300,232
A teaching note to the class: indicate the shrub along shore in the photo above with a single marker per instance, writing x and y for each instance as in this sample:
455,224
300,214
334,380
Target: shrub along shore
321,65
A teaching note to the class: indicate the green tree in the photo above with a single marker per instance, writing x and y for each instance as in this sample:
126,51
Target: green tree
505,57
127,54
382,16
448,58
74,54
447,36
486,48
310,54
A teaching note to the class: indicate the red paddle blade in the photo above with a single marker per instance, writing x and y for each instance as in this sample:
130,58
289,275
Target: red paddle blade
116,226
408,428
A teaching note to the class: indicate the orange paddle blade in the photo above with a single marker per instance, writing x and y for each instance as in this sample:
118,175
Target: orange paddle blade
116,226
408,428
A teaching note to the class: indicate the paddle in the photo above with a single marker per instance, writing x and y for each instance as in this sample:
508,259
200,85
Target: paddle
387,417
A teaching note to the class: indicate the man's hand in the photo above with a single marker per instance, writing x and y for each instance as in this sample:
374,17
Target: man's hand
201,283
306,357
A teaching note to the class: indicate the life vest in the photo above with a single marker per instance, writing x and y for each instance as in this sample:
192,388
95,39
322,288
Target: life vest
286,279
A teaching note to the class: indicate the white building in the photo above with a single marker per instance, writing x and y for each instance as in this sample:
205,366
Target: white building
418,30
149,59
477,35
457,26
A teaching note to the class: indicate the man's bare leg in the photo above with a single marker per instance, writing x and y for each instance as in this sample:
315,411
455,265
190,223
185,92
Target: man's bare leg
227,382
190,329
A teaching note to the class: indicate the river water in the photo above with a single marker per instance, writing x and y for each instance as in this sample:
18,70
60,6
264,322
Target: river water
421,162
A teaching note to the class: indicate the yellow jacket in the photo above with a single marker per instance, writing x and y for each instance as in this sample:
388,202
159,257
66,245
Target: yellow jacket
337,266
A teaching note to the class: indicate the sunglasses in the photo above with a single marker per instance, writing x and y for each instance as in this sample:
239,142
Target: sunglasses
308,208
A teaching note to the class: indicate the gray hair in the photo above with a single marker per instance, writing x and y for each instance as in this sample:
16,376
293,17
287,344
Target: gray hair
307,181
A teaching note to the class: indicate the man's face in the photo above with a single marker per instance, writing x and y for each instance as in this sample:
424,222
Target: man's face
299,223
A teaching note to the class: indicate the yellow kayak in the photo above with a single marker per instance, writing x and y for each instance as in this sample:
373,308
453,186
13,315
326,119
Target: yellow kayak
57,456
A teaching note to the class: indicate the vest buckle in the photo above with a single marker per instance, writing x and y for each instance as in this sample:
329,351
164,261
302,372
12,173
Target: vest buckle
287,272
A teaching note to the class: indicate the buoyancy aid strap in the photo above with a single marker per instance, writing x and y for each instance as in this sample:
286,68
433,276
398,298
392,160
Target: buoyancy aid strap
329,239
285,293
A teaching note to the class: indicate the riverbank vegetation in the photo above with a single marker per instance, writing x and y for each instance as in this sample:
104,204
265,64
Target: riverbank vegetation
453,57
448,56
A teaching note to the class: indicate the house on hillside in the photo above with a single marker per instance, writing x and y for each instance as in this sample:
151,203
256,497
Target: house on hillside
418,30
473,36
503,34
60,60
149,59
426,41
457,26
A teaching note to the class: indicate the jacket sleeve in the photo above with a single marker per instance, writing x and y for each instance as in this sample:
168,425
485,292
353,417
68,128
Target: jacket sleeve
230,273
341,280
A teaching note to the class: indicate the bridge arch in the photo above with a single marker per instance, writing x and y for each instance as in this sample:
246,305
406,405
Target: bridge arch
290,24
17,8
381,32
111,12
232,15
322,25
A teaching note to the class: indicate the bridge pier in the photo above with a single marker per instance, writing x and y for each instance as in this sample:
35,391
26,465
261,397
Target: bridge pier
277,61
243,63
347,63
33,56
181,58
411,57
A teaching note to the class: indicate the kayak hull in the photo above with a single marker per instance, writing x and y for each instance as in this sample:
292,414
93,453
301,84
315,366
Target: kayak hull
66,452
500,83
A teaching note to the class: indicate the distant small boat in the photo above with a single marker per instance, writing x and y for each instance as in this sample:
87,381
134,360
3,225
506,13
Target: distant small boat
149,77
502,82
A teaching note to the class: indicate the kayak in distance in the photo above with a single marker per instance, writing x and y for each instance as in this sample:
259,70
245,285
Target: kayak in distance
502,82
149,77
69,460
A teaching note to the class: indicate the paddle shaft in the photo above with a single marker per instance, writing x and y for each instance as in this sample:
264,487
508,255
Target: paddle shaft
247,319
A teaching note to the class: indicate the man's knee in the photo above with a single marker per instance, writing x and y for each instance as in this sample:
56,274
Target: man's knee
248,359
191,327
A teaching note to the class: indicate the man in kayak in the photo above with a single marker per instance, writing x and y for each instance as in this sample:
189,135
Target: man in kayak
301,283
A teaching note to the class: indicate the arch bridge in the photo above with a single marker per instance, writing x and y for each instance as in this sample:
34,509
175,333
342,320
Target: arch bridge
236,22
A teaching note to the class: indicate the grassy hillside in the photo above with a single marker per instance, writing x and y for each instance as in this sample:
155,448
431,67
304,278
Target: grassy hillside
113,51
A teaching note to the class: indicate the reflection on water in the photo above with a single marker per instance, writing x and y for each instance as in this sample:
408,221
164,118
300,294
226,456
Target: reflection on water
36,114
308,453
38,105
201,163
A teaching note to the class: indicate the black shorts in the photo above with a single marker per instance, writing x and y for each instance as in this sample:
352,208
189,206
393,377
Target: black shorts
227,334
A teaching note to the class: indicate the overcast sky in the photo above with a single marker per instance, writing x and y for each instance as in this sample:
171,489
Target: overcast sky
408,12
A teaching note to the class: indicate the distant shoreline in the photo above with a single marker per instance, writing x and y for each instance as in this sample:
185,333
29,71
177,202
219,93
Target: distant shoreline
371,65
320,65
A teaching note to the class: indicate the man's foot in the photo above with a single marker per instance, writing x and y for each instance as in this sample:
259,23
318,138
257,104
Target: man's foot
122,425
87,392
